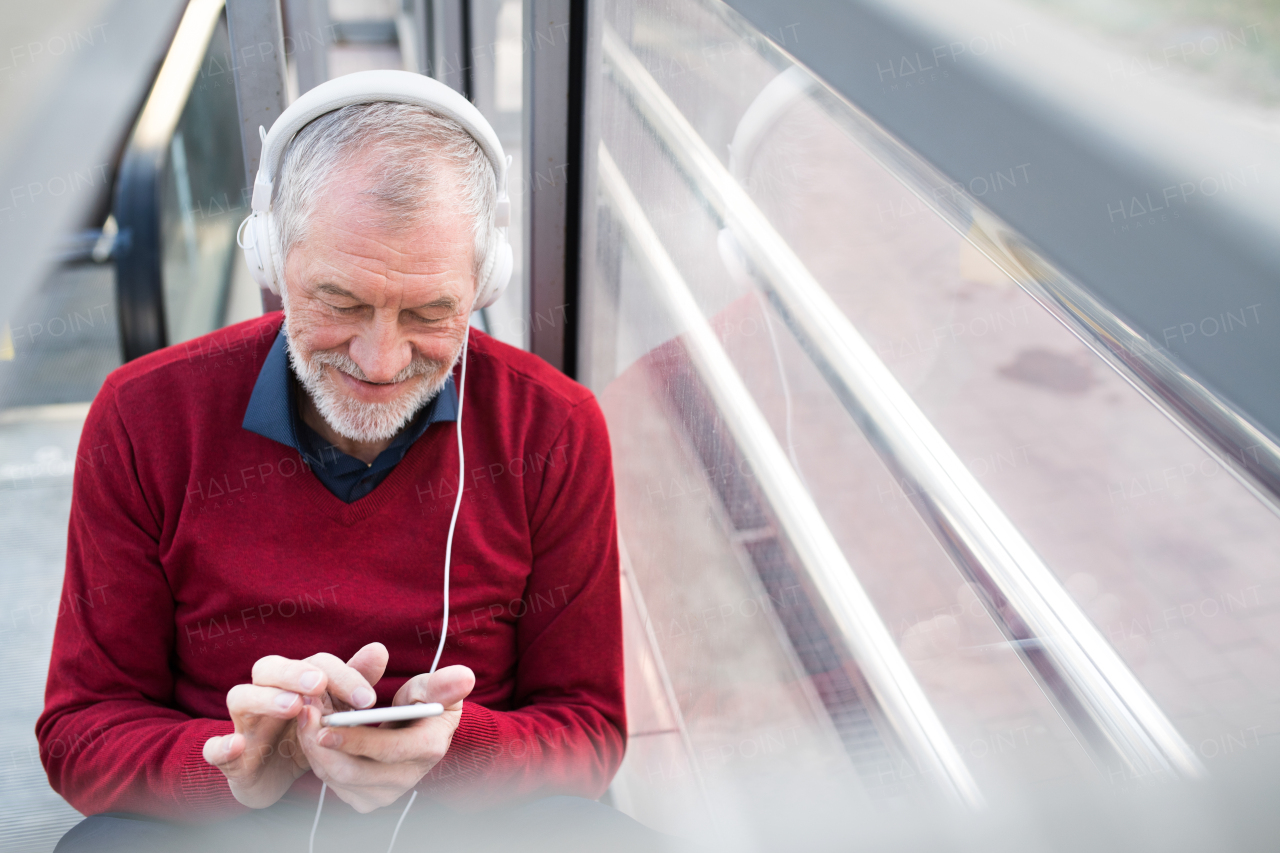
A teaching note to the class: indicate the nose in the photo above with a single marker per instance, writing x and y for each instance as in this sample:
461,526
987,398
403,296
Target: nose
380,351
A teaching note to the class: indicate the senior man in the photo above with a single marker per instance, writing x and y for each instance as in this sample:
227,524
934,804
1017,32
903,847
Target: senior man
259,527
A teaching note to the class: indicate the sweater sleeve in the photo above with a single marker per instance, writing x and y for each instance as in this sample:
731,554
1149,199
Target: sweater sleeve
110,736
567,732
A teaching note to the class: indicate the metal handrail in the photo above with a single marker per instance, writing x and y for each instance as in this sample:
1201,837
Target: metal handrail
1093,687
886,672
1245,450
139,273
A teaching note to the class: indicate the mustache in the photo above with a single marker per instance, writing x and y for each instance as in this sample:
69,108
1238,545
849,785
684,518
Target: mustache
419,366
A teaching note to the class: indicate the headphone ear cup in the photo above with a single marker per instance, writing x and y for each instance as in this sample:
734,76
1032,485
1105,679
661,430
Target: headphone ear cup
247,237
270,263
499,276
254,236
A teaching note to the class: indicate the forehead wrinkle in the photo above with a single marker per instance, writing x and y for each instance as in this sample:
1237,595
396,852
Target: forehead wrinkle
356,192
381,281
433,243
338,264
364,250
352,243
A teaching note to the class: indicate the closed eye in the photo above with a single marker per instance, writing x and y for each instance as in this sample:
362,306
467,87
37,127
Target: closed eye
346,309
436,311
430,317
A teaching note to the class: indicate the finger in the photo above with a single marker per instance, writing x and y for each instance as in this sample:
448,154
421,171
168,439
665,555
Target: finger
298,676
309,720
311,732
371,662
346,684
324,703
320,743
448,686
224,750
245,700
350,758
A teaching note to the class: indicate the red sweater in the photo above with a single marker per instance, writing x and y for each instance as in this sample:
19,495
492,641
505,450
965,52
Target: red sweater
197,547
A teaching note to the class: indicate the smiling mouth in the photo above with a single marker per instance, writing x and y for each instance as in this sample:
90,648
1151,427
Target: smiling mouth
377,387
367,382
344,372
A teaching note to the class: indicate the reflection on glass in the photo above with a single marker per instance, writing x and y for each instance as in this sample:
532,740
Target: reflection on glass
200,201
1165,554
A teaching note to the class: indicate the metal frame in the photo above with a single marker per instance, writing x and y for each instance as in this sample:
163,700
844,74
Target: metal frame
449,37
553,156
262,93
310,31
413,31
255,26
1095,690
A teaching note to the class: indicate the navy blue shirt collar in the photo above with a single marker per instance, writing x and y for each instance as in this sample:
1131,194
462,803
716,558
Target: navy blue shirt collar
273,413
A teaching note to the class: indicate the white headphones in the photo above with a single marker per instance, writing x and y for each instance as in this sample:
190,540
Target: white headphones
257,233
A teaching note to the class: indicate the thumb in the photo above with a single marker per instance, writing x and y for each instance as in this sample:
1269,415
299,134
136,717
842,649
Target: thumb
222,751
448,686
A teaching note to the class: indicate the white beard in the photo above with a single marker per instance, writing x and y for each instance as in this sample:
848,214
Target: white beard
354,419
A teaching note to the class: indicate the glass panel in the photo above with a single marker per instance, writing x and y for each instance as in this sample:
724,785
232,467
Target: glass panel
1164,552
200,201
497,89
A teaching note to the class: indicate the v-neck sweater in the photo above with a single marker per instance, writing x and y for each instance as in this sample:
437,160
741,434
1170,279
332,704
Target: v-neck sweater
196,547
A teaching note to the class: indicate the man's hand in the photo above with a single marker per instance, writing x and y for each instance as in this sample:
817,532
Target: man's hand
263,758
372,767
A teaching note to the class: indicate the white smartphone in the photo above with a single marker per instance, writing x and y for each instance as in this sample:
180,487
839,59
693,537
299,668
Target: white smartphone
396,713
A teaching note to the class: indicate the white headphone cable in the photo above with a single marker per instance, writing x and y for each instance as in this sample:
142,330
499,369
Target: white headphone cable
448,559
457,504
311,845
404,814
324,786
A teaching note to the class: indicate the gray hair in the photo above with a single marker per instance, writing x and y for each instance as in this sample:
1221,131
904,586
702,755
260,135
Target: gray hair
403,147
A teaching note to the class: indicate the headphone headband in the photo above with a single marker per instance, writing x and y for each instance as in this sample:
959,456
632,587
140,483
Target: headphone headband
369,87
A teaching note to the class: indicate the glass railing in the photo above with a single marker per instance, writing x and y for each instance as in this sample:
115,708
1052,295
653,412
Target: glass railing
179,198
1128,150
835,415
